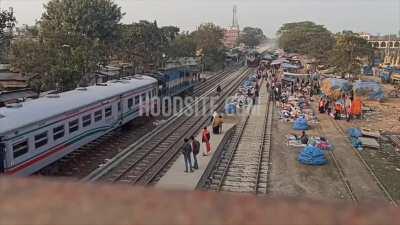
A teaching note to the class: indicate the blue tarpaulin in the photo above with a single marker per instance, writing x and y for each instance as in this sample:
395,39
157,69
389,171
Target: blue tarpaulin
312,156
340,84
354,132
371,89
300,124
230,108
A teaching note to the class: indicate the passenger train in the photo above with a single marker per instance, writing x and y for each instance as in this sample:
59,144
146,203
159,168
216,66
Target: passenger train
253,59
36,133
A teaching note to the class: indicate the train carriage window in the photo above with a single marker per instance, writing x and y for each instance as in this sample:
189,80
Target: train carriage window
86,120
20,148
98,116
41,139
130,103
143,97
119,106
58,132
73,126
137,100
108,111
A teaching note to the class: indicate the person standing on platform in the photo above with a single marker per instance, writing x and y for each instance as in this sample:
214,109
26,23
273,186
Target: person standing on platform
220,123
214,116
215,125
206,140
195,151
186,151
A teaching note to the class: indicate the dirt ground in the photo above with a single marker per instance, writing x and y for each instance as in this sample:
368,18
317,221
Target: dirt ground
385,115
290,178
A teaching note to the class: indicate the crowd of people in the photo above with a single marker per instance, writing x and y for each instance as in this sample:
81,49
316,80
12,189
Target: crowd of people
346,107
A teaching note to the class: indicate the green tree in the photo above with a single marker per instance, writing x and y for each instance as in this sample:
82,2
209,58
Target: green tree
252,36
306,38
144,43
170,32
7,23
208,38
183,45
32,60
80,34
350,52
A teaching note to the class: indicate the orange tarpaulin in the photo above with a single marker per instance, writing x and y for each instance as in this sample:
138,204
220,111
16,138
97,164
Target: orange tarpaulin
356,107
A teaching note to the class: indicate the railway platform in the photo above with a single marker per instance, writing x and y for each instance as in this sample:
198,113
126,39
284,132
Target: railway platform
176,178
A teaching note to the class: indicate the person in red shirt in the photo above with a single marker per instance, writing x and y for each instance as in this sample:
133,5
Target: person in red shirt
206,140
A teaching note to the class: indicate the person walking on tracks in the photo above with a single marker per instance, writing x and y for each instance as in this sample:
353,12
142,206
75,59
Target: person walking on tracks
206,140
195,151
186,150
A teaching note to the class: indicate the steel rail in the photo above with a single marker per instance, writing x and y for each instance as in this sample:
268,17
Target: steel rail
143,178
96,174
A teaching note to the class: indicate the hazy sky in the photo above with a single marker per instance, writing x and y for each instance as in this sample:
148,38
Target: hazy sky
374,16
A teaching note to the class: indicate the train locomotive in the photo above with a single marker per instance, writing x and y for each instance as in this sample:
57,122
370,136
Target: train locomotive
253,59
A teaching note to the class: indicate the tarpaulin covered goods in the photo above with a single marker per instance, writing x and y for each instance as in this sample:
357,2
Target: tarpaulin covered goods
312,156
369,89
300,124
335,88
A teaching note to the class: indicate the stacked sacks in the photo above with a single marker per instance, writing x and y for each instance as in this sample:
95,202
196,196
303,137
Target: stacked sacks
300,124
370,89
312,156
335,88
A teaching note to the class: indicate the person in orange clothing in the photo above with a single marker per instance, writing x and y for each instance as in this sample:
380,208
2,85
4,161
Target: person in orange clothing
338,111
356,107
206,140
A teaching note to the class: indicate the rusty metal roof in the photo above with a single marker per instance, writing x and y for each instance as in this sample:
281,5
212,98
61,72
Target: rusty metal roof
31,201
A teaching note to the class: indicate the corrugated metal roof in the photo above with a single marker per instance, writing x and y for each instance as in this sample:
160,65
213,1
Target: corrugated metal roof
11,76
7,96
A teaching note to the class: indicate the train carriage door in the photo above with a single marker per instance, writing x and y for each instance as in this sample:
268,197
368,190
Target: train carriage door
120,109
2,157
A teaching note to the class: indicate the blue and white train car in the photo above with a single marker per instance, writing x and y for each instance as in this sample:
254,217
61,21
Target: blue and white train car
35,134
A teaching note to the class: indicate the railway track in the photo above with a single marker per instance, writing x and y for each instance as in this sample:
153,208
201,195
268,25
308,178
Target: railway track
245,163
366,165
145,161
86,159
205,86
340,171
